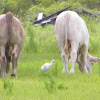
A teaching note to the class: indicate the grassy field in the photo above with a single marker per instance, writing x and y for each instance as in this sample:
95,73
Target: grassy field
31,84
41,47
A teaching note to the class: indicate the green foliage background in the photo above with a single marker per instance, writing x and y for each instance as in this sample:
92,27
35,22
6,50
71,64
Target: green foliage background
40,47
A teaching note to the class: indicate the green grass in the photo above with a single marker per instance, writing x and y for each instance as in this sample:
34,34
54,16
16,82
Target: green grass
31,84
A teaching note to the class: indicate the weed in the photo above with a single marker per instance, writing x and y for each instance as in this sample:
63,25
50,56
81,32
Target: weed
8,85
62,87
50,85
55,71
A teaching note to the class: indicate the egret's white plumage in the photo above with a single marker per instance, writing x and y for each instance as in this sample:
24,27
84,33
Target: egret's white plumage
46,66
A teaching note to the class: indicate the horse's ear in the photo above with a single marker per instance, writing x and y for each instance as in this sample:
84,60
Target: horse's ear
93,59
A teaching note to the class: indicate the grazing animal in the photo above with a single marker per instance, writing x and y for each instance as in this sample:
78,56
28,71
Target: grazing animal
73,38
46,66
12,38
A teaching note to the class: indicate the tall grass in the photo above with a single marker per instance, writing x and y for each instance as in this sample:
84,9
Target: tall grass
40,39
94,32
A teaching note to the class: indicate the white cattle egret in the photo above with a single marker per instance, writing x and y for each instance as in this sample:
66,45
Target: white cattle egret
46,66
